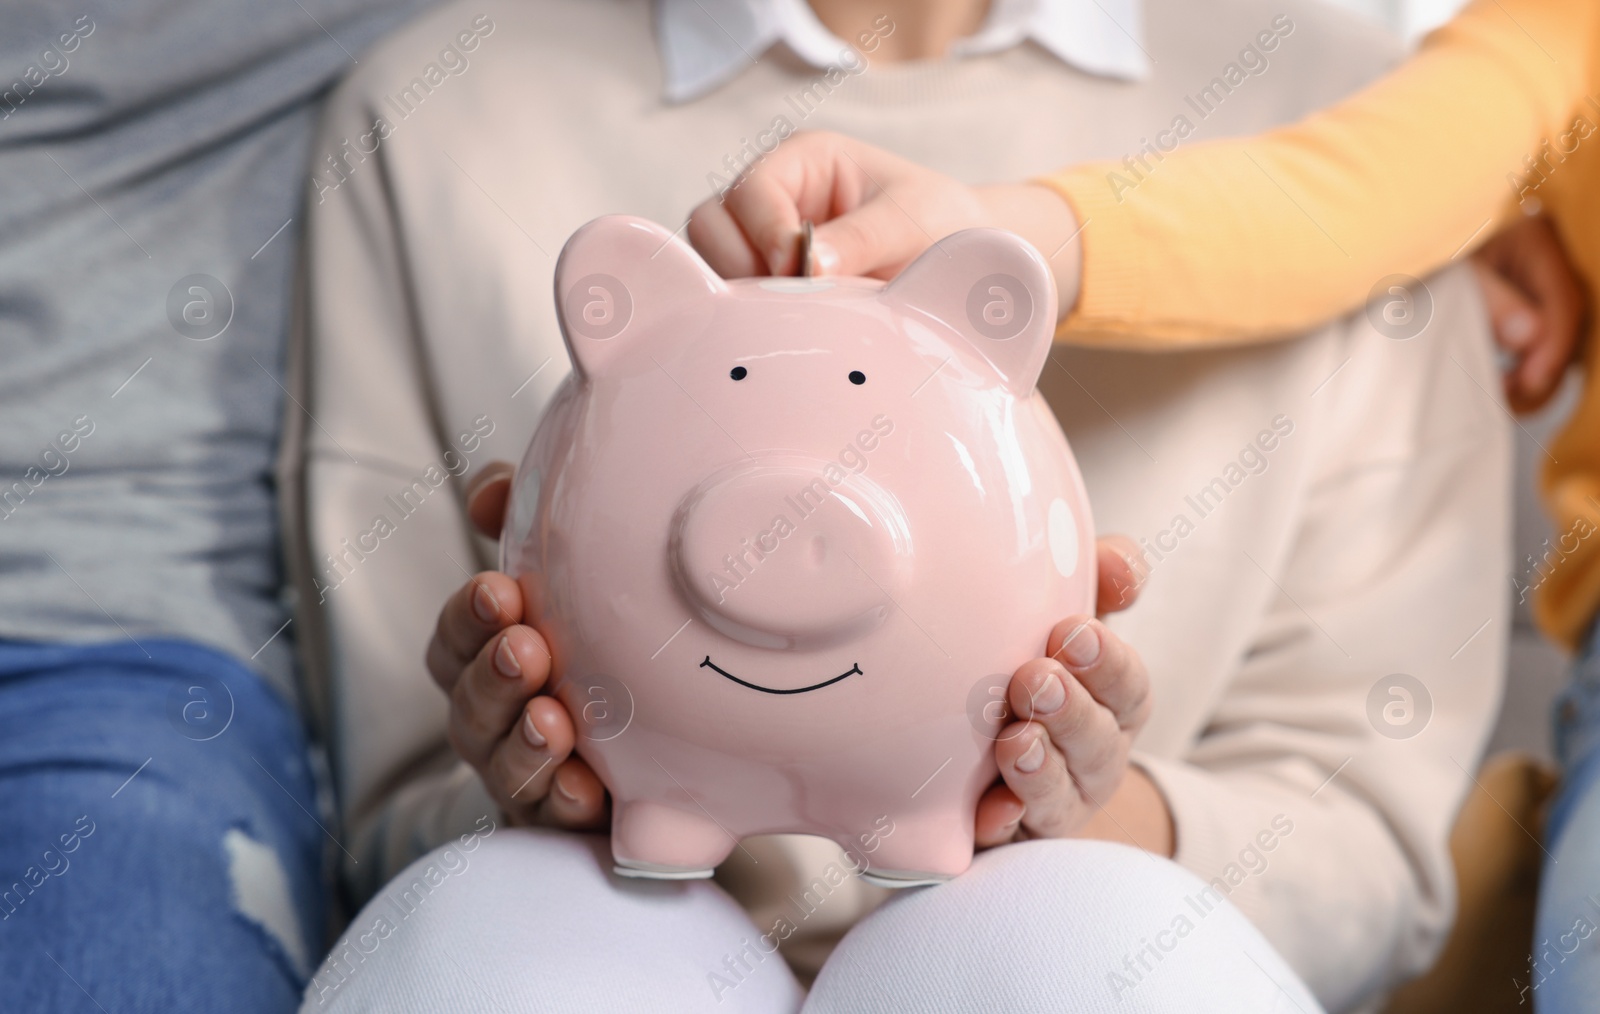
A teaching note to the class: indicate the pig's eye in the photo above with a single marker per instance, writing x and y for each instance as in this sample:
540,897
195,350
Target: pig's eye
857,377
738,373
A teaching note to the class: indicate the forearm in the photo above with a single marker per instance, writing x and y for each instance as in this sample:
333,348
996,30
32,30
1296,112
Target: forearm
1261,236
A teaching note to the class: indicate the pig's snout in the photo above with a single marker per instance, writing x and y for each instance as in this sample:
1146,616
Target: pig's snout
791,554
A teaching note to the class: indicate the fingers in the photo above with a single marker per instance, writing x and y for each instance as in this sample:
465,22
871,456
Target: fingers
1104,665
492,668
1538,376
493,691
874,212
1000,814
715,233
487,495
1514,318
881,211
536,781
765,206
1548,274
1067,722
1078,712
876,239
577,799
1537,304
1121,571
478,610
753,227
523,763
1055,803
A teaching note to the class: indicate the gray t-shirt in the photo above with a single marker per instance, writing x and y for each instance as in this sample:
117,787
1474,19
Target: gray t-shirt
154,158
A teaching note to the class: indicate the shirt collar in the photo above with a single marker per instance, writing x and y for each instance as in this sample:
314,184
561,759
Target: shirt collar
705,43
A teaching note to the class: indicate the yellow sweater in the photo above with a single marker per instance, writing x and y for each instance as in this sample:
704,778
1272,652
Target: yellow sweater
1238,240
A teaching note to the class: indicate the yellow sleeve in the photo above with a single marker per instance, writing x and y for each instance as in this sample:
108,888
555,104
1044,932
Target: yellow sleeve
1236,240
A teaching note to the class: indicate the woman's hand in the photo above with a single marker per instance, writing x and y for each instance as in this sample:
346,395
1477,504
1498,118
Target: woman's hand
1077,712
874,213
492,667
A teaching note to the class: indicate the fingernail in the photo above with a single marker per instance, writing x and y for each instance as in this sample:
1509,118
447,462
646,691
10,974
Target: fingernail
1032,758
1052,693
826,256
1520,326
1081,647
484,605
505,660
563,791
531,732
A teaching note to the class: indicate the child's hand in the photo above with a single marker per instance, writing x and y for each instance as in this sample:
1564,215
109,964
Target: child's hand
492,667
1537,304
1078,711
874,213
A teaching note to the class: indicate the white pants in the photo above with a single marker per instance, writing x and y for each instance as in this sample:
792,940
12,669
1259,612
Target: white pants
533,921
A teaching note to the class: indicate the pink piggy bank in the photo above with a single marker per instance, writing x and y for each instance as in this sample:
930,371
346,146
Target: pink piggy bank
788,538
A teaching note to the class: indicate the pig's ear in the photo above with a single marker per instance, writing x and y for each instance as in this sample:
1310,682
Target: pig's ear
616,276
995,289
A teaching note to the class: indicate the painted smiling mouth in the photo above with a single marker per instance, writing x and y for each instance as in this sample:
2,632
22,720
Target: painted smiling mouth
855,670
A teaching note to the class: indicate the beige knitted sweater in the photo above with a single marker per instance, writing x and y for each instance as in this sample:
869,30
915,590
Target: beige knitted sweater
1320,514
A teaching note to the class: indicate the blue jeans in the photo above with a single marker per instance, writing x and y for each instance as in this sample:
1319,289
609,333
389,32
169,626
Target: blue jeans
157,847
1565,973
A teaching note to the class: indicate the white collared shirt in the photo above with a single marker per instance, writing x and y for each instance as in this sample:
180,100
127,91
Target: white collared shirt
705,43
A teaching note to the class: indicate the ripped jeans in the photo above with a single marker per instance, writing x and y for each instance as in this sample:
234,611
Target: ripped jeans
157,847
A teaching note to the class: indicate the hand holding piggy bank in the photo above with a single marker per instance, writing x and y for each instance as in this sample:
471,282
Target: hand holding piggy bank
787,539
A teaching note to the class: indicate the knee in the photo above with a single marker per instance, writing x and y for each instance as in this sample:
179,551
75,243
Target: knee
1074,887
1034,895
1063,924
539,915
449,895
1031,873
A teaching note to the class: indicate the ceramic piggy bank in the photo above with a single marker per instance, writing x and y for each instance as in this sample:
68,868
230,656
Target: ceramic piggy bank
788,538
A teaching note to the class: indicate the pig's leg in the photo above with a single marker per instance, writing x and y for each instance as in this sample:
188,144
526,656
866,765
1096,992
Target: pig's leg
664,842
918,848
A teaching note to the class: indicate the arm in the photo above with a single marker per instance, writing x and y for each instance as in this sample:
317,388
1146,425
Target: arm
1397,179
1206,247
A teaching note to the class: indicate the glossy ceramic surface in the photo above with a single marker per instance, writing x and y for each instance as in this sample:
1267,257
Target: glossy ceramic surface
788,538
